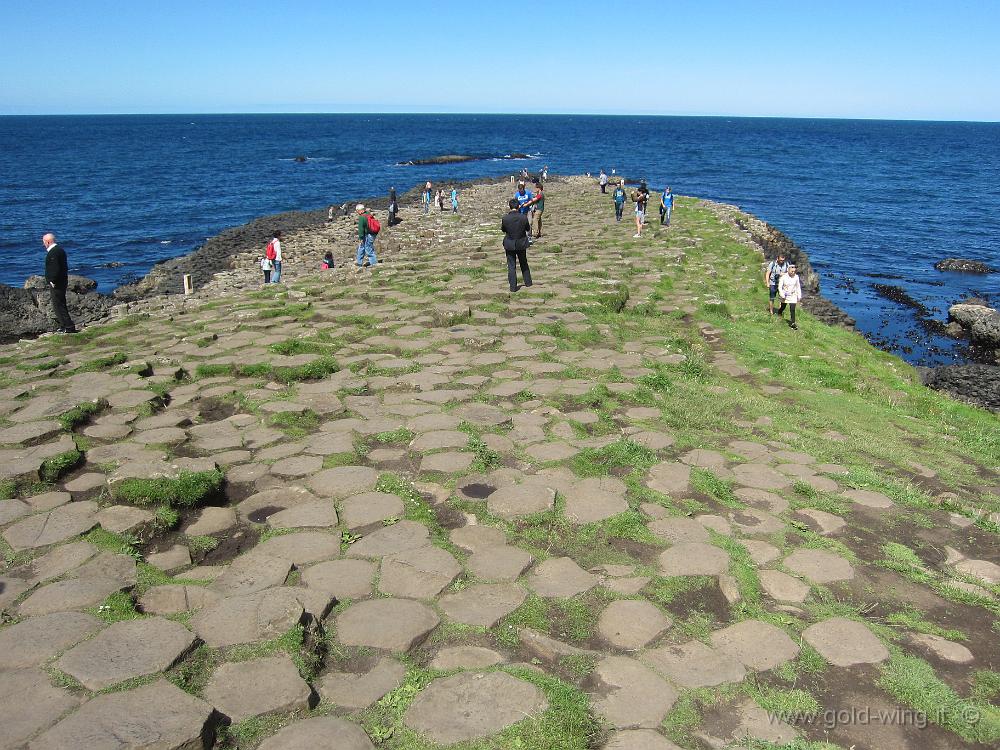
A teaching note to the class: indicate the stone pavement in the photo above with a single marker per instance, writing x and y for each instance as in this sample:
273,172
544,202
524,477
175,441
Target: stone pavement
404,508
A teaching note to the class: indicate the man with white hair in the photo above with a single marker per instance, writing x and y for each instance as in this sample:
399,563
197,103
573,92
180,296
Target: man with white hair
57,274
367,229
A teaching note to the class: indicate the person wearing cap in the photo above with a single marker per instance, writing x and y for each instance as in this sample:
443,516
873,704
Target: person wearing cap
366,240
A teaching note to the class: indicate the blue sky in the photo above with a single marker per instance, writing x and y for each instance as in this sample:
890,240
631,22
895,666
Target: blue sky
873,59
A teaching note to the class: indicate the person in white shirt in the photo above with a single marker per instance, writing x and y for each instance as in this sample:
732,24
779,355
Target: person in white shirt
790,291
276,242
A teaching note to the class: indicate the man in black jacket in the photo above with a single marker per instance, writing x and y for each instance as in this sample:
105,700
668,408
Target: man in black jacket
515,244
57,274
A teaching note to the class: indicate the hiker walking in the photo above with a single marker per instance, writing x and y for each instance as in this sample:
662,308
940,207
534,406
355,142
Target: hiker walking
368,227
772,274
790,291
619,196
602,180
641,198
515,243
666,206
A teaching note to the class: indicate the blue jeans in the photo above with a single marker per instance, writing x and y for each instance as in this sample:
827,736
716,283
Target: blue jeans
665,214
366,249
619,208
276,274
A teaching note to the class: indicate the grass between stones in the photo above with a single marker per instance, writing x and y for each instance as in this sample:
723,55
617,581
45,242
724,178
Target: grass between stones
315,370
912,681
81,414
567,724
188,489
52,469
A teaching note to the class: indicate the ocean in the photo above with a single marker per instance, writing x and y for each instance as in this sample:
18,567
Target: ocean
872,202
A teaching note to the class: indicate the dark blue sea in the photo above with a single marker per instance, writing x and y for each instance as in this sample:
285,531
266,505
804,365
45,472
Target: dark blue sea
871,201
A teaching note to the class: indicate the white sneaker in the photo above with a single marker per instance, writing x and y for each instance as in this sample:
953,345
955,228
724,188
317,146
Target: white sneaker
637,235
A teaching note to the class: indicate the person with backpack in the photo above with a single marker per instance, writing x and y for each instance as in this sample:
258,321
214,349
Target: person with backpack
790,291
273,254
619,196
368,228
772,274
666,206
515,243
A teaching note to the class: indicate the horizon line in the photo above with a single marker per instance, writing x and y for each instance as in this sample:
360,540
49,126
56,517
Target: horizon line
503,114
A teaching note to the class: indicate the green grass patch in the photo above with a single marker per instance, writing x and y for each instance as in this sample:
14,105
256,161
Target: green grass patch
188,489
295,425
80,414
116,607
912,681
721,490
52,469
623,453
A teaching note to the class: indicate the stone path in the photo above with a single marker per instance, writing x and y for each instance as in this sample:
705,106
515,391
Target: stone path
404,508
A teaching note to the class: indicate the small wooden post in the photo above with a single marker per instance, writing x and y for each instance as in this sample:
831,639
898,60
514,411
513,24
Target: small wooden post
188,284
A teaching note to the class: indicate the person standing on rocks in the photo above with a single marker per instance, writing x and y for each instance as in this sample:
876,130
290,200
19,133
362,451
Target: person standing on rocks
602,180
454,199
515,243
274,254
366,238
536,206
523,197
393,207
619,196
428,197
57,274
266,265
772,274
790,291
666,206
641,198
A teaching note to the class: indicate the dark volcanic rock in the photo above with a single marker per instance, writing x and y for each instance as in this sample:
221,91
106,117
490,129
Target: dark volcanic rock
900,296
965,266
457,159
27,312
977,384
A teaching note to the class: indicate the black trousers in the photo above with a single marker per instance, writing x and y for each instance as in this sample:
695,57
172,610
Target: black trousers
513,258
63,319
790,305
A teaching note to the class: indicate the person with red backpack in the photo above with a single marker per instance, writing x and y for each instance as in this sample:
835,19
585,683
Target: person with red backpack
368,228
273,254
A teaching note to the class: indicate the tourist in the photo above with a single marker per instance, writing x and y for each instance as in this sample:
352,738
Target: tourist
602,180
666,206
329,214
536,206
545,173
57,274
427,198
266,265
523,197
774,271
641,198
439,201
393,207
790,291
366,238
327,263
454,199
515,243
619,196
274,254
